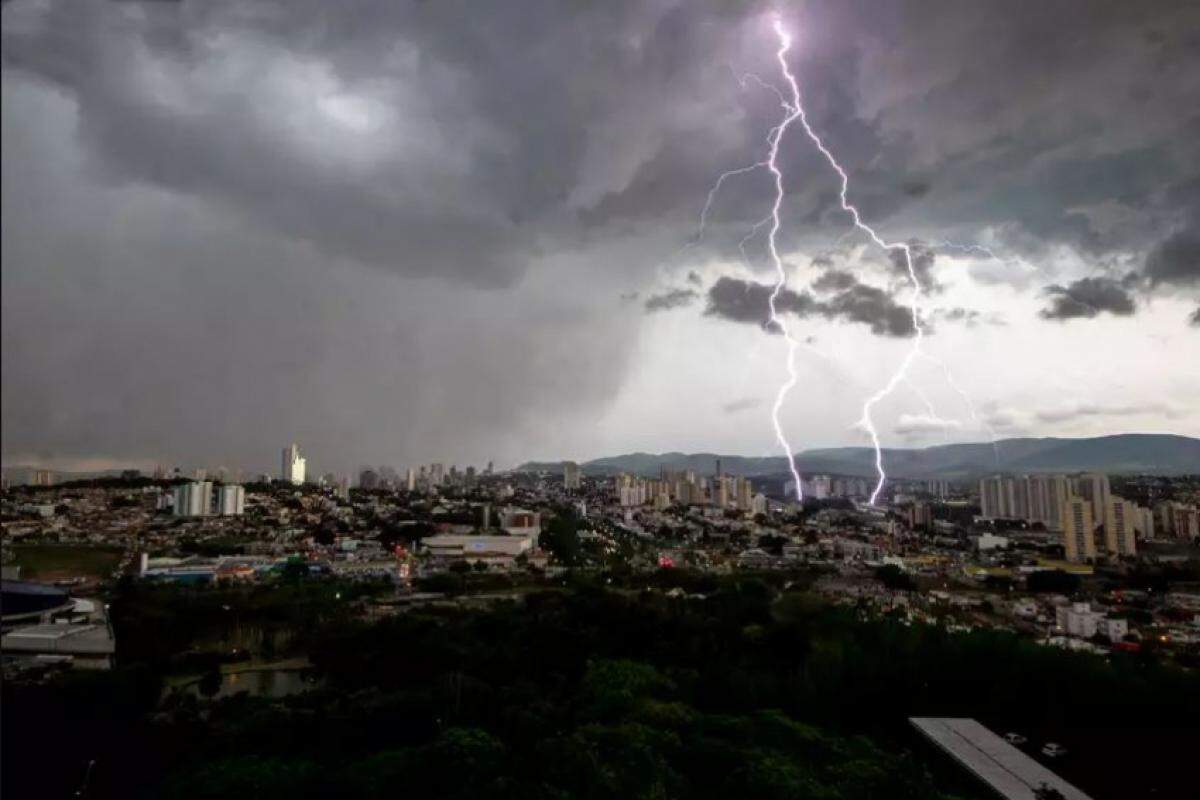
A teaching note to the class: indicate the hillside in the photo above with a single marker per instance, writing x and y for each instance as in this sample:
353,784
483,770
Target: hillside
1133,452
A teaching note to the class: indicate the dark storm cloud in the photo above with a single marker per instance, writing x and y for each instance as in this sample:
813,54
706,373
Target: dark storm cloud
1088,297
834,280
1176,260
745,301
674,298
872,307
201,184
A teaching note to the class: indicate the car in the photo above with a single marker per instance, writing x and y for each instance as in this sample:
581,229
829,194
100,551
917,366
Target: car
1053,750
1015,739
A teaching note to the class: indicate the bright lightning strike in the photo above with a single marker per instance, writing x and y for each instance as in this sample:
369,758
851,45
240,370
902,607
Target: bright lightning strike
797,113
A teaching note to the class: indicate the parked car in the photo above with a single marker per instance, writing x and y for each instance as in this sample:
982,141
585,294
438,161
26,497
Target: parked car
1053,750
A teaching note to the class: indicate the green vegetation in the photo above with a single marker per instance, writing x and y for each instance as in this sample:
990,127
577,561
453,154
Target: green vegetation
576,693
51,561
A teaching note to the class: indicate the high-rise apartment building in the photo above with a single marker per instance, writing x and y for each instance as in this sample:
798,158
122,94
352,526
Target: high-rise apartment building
193,499
572,479
1094,488
1120,521
231,500
292,470
1078,531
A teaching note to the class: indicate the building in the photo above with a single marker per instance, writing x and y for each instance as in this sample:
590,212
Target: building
1078,532
492,550
520,522
1094,488
231,500
193,499
919,516
571,476
1077,619
292,470
1120,521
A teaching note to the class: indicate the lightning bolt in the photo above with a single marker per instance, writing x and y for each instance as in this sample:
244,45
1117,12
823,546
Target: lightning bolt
797,113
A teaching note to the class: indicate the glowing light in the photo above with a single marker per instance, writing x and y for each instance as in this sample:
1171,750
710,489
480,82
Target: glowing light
866,422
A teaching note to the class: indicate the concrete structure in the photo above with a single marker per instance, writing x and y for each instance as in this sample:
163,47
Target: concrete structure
498,550
293,466
231,500
89,646
1077,619
1094,488
193,499
1120,520
1009,773
521,522
1078,532
572,479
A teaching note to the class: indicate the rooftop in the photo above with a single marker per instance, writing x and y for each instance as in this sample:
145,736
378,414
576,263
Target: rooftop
1009,772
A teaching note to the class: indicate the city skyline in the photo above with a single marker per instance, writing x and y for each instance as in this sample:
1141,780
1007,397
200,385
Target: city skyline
360,242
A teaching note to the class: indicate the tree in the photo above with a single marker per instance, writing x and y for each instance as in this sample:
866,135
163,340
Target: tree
1056,581
210,682
895,578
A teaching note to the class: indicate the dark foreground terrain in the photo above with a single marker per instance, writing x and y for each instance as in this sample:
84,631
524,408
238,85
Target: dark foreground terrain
577,693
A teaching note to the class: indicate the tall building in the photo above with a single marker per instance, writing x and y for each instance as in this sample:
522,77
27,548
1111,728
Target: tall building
293,465
231,500
571,476
1120,521
1094,488
1078,532
193,499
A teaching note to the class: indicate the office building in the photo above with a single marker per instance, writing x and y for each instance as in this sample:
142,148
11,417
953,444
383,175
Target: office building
293,465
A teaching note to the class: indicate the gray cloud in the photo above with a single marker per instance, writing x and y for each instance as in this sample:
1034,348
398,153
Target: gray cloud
742,404
1176,260
1088,297
674,298
745,301
834,280
334,218
873,307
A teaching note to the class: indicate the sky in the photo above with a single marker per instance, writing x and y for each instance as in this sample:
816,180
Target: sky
405,232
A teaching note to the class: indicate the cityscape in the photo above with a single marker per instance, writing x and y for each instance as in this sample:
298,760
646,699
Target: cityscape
633,400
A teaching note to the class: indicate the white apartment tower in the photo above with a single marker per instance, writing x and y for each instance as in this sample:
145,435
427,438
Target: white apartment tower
193,499
293,465
231,500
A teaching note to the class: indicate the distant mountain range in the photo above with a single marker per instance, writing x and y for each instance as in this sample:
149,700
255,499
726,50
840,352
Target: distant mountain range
1162,454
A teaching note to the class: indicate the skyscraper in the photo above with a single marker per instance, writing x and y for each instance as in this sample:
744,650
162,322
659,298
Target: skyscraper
293,465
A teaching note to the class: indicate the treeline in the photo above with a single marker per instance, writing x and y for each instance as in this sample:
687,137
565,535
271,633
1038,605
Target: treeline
587,692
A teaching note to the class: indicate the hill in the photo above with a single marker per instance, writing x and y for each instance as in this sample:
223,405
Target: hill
1164,454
